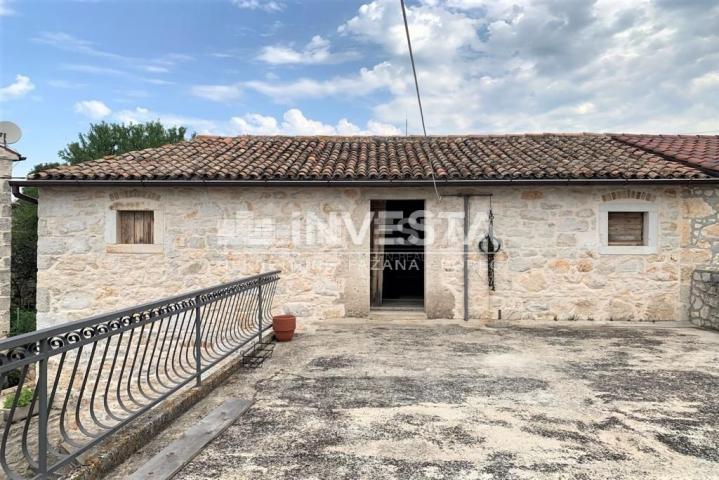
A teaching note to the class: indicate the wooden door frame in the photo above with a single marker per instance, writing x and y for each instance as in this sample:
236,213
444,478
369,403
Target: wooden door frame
376,255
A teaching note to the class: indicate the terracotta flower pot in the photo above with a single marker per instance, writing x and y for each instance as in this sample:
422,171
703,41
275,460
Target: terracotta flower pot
284,327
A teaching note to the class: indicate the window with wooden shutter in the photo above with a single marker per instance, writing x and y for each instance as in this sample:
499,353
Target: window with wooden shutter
135,226
626,229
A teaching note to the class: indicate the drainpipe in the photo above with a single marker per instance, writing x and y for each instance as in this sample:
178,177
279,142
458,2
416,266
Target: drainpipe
466,258
18,194
465,264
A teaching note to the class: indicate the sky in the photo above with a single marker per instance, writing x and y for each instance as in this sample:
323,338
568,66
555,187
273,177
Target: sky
316,67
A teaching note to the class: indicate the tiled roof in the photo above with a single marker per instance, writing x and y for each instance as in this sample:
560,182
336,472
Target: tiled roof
7,151
700,150
476,158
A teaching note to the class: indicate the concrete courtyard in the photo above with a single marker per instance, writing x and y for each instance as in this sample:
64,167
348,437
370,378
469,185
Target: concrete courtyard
426,400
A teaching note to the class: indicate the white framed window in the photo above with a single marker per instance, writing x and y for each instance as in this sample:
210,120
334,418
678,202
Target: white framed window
134,226
628,228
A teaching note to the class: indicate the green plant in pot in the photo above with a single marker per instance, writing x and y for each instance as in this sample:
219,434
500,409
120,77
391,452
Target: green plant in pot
22,409
284,327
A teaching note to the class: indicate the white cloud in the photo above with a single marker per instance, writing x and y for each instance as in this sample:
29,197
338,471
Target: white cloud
218,93
383,76
317,51
524,65
70,43
255,124
142,115
585,108
19,88
708,81
5,8
266,5
59,83
294,122
505,66
114,72
92,109
435,31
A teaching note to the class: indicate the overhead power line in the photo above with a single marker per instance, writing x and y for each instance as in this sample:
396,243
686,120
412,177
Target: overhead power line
419,98
414,68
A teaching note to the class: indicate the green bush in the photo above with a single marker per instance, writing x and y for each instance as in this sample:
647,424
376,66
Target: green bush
23,401
12,379
23,322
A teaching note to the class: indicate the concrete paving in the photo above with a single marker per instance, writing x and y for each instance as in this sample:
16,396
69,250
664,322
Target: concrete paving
434,400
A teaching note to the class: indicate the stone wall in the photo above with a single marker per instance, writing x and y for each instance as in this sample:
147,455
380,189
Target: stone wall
6,160
550,266
704,300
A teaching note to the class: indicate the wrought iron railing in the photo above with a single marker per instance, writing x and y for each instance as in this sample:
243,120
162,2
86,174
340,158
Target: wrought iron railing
85,380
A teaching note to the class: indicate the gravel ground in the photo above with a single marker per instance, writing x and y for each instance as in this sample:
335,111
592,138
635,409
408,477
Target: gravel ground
431,400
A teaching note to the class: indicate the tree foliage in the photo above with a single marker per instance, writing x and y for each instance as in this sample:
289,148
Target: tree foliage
24,246
114,139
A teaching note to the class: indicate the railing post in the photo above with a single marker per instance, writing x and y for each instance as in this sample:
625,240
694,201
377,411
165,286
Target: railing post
259,312
43,414
198,342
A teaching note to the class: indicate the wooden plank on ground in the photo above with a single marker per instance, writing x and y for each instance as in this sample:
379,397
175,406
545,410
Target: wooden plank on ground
176,455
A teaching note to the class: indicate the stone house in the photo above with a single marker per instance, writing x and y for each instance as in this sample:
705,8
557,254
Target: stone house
592,226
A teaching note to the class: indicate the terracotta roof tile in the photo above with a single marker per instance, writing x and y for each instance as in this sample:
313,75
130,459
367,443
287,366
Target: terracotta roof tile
696,150
488,157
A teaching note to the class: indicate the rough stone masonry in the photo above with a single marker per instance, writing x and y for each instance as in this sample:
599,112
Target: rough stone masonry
551,266
6,159
704,301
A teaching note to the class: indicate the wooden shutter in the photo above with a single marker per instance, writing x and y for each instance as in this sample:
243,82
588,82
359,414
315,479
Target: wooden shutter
626,228
135,226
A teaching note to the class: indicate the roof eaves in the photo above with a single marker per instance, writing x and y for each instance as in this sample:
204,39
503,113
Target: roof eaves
366,183
18,156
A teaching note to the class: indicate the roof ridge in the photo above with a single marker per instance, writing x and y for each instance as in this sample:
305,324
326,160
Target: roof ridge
663,135
400,137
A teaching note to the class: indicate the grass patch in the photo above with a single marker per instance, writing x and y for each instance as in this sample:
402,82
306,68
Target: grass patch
22,321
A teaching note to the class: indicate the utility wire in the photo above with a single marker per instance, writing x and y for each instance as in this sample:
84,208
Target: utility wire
414,69
419,98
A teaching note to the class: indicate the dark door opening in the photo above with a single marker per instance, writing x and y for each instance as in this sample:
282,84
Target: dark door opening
397,276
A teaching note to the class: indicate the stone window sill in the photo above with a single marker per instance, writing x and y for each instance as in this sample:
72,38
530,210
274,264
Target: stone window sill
134,248
628,250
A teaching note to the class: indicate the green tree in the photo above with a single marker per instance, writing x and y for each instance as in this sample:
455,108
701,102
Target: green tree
24,246
102,139
114,139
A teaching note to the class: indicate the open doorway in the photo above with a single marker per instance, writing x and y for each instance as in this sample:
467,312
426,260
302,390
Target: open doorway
397,254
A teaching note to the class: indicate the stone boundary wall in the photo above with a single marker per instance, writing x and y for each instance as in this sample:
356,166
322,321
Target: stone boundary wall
5,240
704,300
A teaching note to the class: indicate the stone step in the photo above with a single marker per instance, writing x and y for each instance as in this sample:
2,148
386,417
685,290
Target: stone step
396,314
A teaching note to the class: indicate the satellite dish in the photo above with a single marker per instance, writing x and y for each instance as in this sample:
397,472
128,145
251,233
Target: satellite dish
9,133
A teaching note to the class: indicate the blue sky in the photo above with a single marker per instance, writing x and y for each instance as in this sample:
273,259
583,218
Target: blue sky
340,67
